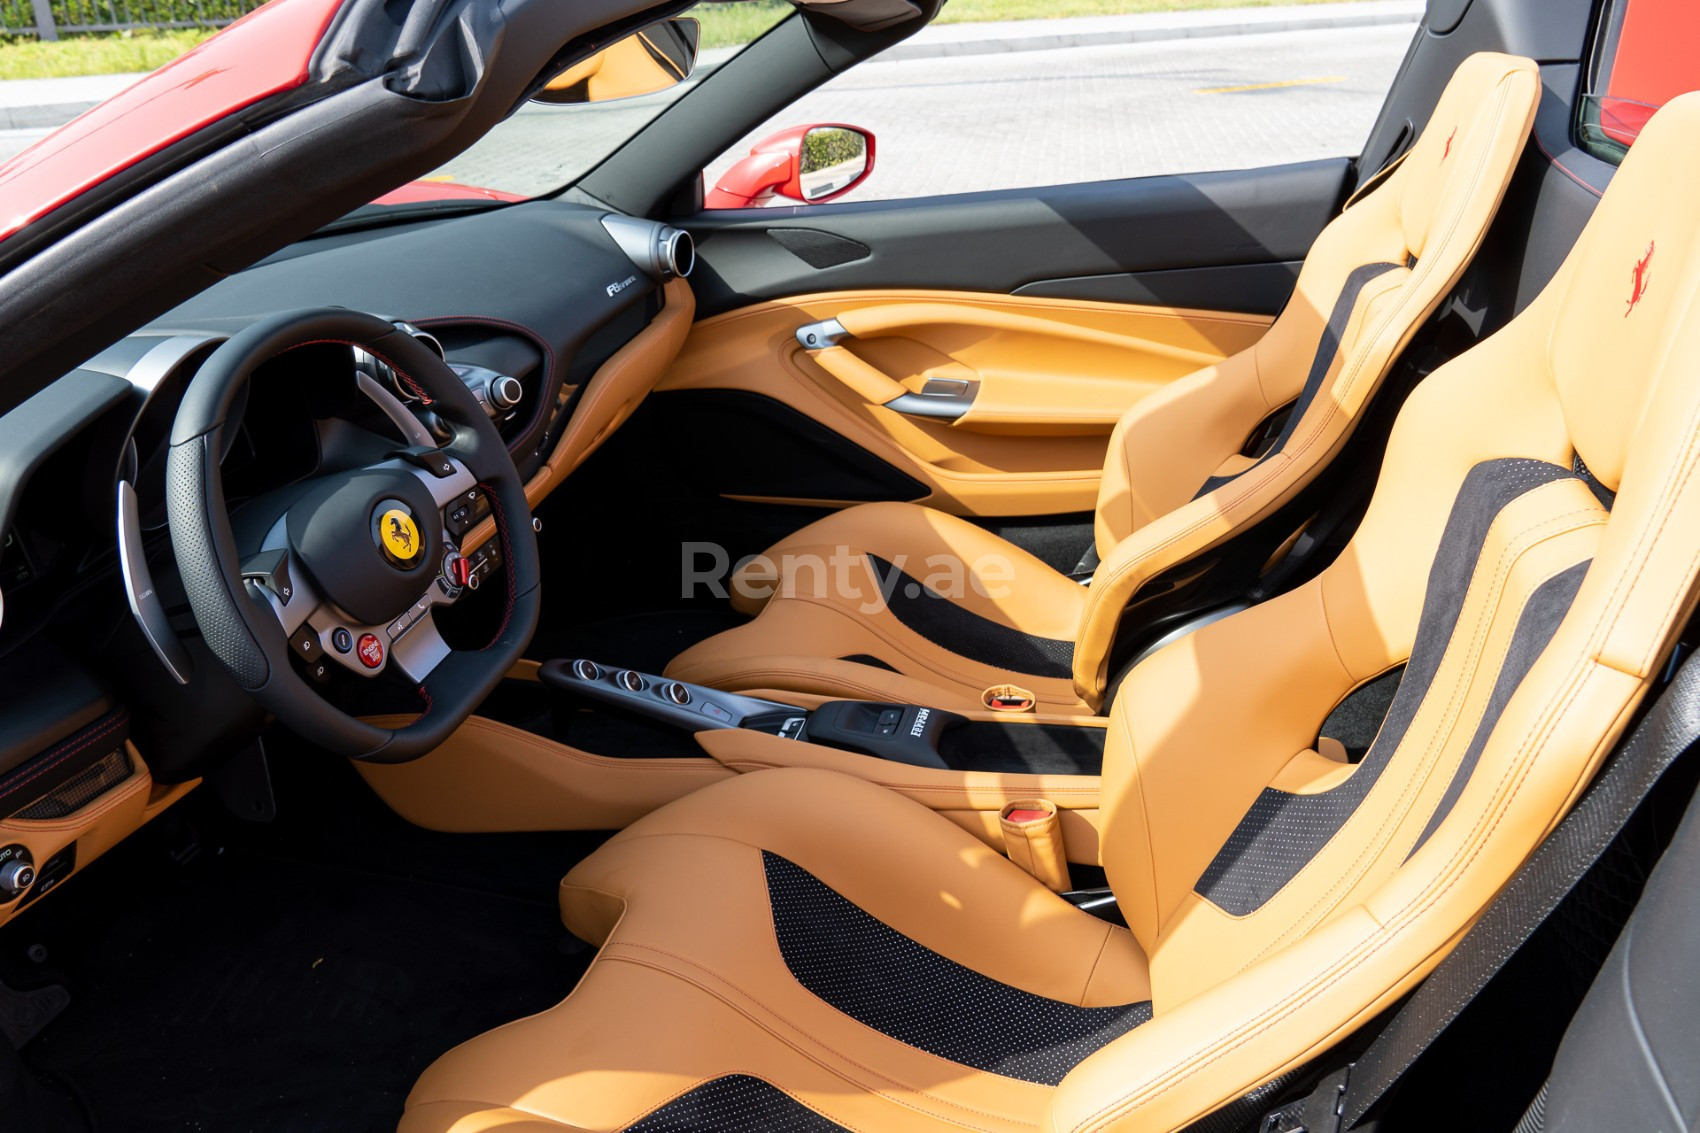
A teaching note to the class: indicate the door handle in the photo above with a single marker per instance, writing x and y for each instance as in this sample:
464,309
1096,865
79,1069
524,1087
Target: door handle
941,399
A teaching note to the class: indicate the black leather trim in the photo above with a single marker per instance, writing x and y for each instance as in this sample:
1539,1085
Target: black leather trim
879,977
737,1103
1326,348
967,634
1282,832
64,761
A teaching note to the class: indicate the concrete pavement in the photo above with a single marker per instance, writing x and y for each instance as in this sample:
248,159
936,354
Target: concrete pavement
969,123
41,104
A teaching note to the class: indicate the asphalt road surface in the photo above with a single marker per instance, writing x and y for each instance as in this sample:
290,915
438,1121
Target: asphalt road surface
1019,119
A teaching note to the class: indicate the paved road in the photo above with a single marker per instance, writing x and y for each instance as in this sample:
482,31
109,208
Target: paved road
1030,118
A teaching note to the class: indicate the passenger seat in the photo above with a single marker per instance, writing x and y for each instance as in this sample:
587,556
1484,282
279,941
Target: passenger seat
1177,483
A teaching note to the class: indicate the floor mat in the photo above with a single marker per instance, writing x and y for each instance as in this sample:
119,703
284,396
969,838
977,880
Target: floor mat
253,989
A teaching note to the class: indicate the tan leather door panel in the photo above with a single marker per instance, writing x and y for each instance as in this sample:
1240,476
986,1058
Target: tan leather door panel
1050,377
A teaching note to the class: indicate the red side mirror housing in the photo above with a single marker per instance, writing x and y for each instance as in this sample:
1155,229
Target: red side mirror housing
810,164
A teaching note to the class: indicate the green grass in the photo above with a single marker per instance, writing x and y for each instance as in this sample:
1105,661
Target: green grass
723,25
22,58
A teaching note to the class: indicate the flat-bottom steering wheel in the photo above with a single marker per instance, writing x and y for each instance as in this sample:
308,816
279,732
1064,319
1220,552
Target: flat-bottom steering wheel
355,568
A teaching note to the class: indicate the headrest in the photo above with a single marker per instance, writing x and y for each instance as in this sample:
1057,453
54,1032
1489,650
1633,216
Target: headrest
1447,159
1626,288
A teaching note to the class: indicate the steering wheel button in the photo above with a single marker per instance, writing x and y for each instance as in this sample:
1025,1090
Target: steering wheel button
341,640
370,650
305,643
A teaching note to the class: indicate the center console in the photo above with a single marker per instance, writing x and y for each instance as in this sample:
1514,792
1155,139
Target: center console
580,745
900,733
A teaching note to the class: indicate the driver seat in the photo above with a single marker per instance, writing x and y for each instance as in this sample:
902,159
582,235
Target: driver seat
799,950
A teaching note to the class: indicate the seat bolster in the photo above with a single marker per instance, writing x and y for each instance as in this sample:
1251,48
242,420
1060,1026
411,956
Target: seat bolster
918,872
1016,588
831,605
1252,1027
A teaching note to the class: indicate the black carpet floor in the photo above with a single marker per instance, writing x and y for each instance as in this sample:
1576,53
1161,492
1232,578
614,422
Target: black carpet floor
297,976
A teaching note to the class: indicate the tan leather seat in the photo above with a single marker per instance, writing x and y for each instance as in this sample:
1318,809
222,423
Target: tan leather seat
800,950
1176,484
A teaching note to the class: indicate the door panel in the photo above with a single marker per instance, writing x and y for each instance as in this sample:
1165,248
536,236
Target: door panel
1140,240
1055,308
1055,376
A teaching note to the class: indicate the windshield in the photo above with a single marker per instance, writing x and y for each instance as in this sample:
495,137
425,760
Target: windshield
544,148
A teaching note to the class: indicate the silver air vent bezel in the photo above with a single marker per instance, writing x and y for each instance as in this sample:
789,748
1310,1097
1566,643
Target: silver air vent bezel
660,251
382,371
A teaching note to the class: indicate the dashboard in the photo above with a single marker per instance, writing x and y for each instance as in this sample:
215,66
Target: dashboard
526,303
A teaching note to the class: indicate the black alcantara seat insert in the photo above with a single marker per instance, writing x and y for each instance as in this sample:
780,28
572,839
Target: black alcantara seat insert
901,988
967,634
1283,832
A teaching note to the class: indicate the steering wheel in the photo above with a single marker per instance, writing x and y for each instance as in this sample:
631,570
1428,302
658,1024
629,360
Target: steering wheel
351,573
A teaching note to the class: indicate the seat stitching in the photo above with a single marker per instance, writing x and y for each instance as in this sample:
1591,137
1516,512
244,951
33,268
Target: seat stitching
756,1002
1425,267
1103,946
1251,484
1356,958
1438,737
1512,780
1678,480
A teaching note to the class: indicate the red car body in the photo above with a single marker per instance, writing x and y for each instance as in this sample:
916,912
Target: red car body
261,55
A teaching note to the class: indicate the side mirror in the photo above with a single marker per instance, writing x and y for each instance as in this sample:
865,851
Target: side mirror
661,55
807,163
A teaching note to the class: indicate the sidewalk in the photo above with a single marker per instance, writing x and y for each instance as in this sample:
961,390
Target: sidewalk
34,104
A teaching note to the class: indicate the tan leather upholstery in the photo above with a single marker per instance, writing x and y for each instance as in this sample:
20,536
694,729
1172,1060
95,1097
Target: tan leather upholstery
96,826
611,395
1376,273
1011,344
1531,609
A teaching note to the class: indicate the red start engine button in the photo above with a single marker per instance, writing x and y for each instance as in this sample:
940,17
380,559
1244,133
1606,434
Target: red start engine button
370,650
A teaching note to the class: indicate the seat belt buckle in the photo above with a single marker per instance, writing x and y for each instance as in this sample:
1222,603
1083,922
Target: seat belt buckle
1032,837
1008,698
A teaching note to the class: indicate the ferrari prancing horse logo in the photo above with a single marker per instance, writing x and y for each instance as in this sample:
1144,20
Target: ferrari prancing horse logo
1640,276
399,535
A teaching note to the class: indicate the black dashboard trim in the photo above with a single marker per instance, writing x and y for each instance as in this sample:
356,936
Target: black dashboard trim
45,423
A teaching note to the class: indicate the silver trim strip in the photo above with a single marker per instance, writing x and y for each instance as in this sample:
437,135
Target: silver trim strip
819,336
157,364
410,426
936,406
145,605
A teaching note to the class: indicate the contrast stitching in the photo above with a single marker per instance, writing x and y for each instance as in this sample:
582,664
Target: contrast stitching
418,390
112,724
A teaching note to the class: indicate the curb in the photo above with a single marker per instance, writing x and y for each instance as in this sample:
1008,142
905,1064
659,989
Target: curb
958,40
